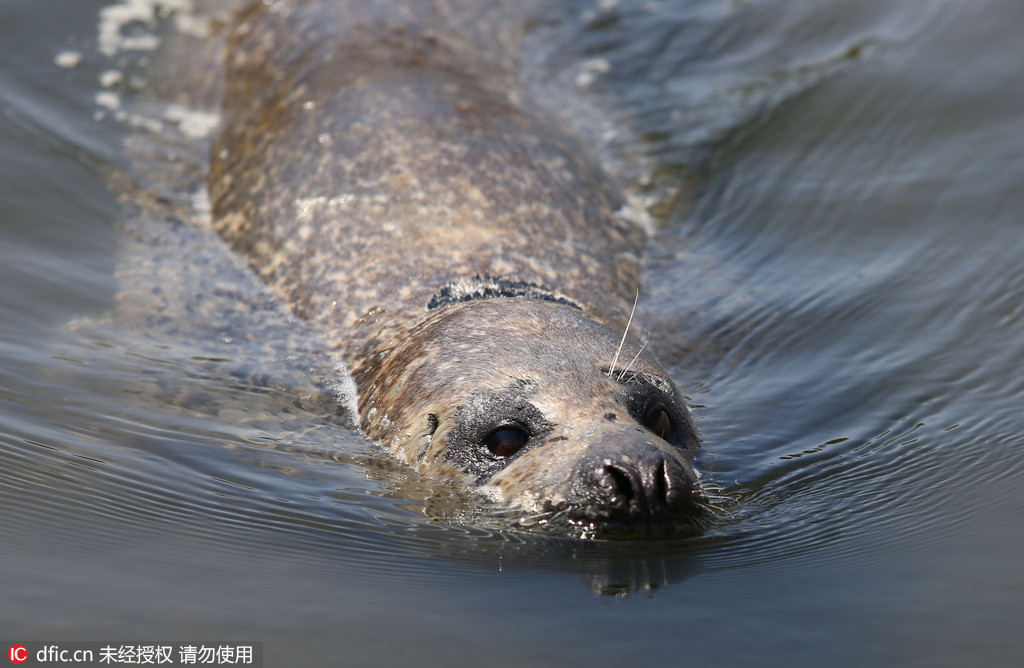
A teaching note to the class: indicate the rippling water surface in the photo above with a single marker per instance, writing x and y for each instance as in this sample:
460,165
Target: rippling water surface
836,282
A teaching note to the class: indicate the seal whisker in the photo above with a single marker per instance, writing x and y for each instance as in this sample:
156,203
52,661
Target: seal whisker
539,518
615,360
632,361
543,517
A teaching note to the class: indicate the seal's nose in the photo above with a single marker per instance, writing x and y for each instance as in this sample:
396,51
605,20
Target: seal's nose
636,482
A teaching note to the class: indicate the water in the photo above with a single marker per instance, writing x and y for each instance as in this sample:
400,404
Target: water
836,282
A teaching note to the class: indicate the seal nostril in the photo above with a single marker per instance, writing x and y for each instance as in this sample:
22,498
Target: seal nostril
637,485
623,485
647,487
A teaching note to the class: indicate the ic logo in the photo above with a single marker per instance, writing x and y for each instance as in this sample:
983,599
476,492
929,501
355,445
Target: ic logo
18,653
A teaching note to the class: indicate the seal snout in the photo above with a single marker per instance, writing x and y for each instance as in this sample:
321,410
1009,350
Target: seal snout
640,487
637,484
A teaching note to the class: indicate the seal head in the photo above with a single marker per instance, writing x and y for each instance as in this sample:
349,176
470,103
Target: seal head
518,399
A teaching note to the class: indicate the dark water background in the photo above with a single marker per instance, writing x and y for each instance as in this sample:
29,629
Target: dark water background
837,284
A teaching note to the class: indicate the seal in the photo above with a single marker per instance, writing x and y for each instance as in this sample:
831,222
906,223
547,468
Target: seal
382,168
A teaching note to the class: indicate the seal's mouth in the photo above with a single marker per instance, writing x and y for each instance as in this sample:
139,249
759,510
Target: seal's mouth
573,522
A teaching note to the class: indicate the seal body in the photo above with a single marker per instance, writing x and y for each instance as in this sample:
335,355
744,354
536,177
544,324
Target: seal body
384,172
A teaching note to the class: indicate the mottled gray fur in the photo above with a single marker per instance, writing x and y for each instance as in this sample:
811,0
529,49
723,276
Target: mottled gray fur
376,158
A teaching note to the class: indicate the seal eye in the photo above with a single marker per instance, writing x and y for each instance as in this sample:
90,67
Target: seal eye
660,422
506,441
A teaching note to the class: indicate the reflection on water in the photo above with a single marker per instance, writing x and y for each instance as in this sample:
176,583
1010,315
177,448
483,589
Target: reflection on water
835,282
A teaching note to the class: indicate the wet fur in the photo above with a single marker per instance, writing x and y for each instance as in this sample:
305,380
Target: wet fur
383,171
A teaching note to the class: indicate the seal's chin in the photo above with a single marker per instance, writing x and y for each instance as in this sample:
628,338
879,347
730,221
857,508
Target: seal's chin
589,522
